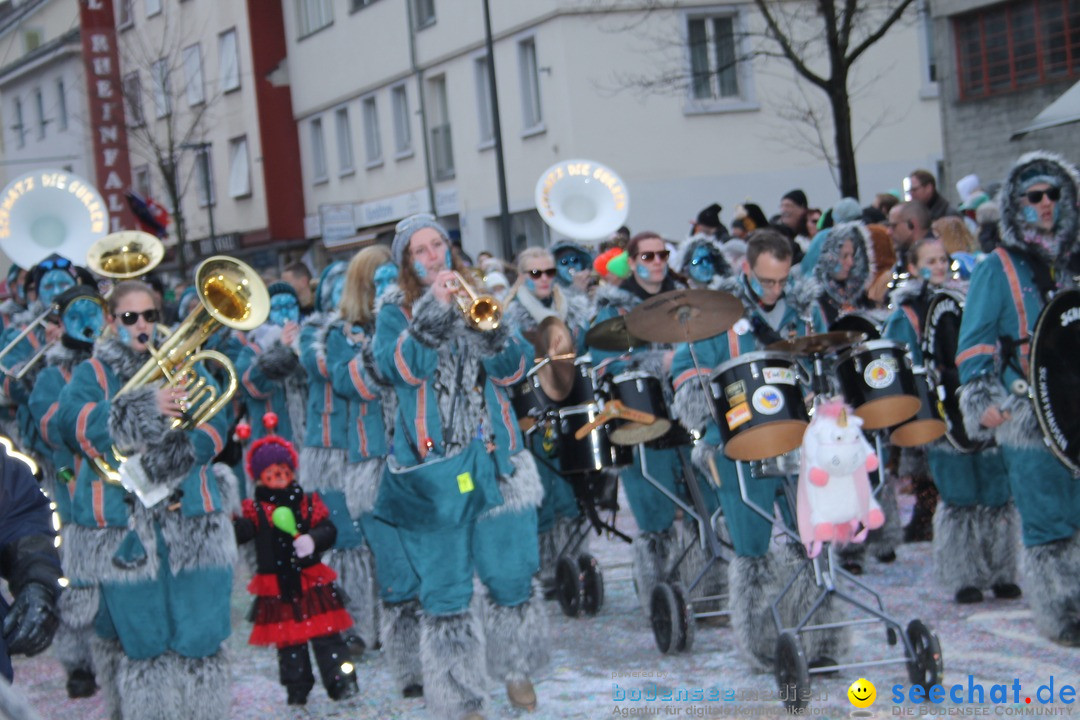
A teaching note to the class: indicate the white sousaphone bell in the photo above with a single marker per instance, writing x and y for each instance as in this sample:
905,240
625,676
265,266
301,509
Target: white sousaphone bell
582,199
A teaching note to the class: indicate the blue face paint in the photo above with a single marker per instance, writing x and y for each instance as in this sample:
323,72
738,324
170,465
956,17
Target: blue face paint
83,320
837,269
530,286
568,265
385,276
337,289
52,284
702,269
755,285
284,308
642,272
124,334
925,273
420,270
1031,215
449,259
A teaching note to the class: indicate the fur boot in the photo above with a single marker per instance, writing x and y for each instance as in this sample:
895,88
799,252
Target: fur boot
71,646
882,543
172,686
452,655
958,557
355,569
1050,573
652,561
107,655
517,638
754,583
400,630
999,537
819,645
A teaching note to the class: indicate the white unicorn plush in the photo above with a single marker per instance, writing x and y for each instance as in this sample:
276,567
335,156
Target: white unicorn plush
835,500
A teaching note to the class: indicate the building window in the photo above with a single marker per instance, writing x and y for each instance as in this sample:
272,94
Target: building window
530,85
239,168
229,61
39,106
442,151
483,101
204,176
313,15
372,138
133,98
32,39
399,97
1016,45
344,141
153,7
61,104
318,151
355,5
140,180
159,73
424,12
713,57
19,127
124,16
193,75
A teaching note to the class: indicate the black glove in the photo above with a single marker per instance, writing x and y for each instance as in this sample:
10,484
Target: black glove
30,625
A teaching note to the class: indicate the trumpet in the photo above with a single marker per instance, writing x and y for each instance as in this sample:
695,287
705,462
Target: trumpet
482,310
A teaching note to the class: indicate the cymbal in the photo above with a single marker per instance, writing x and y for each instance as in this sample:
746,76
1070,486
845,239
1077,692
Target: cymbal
556,377
684,315
611,334
818,344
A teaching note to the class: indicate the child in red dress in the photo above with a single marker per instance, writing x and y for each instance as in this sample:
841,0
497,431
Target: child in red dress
296,601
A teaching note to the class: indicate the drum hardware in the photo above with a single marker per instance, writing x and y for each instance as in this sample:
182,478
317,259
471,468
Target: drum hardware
1053,379
554,345
594,450
612,334
684,316
857,322
818,344
615,410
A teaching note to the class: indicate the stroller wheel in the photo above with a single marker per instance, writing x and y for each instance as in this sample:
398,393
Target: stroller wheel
792,671
686,617
926,667
568,586
592,584
669,629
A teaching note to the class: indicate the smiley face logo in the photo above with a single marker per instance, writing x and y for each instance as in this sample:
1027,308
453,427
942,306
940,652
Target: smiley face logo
862,693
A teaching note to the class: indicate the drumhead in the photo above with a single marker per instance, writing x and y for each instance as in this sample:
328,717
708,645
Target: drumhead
753,357
1054,376
869,345
857,322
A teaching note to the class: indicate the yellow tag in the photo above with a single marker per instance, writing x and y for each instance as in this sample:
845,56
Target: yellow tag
464,483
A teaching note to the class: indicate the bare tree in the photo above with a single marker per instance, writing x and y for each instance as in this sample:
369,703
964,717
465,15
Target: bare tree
163,120
821,40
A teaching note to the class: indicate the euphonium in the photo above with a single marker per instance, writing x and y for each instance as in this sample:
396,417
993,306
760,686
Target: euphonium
231,294
481,310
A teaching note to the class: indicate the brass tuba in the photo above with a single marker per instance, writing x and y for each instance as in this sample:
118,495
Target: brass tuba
582,199
231,294
481,310
124,255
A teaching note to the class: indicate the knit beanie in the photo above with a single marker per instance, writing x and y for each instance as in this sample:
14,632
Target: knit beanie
280,288
407,227
798,197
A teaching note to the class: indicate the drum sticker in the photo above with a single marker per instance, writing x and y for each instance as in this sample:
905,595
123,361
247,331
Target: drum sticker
735,392
880,373
778,376
768,400
738,415
742,326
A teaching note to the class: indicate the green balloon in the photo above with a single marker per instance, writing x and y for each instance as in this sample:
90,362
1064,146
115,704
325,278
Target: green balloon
619,266
284,520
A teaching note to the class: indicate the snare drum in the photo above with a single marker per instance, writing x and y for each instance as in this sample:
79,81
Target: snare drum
593,452
857,321
926,426
760,405
525,398
638,391
876,379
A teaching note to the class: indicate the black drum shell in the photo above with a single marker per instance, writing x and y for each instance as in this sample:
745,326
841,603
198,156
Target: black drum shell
927,426
593,452
857,322
1054,376
643,392
892,398
528,402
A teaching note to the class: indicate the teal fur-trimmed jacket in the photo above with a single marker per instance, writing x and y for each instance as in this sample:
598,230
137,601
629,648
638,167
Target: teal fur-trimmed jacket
273,380
327,412
420,349
353,376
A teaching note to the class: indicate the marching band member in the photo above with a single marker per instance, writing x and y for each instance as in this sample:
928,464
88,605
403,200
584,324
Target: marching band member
16,301
538,298
165,572
758,573
1008,289
573,263
82,318
975,528
701,259
371,410
454,421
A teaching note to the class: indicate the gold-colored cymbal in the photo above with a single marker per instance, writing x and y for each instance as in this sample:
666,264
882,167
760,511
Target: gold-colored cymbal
555,343
818,344
611,334
684,316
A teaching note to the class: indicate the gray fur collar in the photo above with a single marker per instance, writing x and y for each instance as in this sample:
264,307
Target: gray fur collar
120,358
798,295
906,291
851,289
392,295
1013,228
24,317
10,308
64,357
608,295
323,323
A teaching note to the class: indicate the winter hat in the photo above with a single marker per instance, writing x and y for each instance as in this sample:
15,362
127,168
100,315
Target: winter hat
407,227
753,217
280,288
847,210
966,185
74,293
710,216
270,450
798,197
495,280
326,279
53,262
884,253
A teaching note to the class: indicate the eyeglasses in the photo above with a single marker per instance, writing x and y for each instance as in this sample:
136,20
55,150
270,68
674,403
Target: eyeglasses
1035,196
765,282
650,255
55,264
535,274
702,260
130,318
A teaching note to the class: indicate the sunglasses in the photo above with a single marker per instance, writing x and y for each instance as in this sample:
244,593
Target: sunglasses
536,274
130,318
55,264
649,255
1035,196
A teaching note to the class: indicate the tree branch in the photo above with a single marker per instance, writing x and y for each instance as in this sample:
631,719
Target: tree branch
889,21
785,44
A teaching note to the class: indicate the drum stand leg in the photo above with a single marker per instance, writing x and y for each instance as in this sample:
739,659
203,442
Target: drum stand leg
922,652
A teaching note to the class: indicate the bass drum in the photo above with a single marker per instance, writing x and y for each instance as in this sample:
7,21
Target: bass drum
940,335
859,322
1054,376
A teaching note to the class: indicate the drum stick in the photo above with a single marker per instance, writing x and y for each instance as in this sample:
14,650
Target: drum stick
711,463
